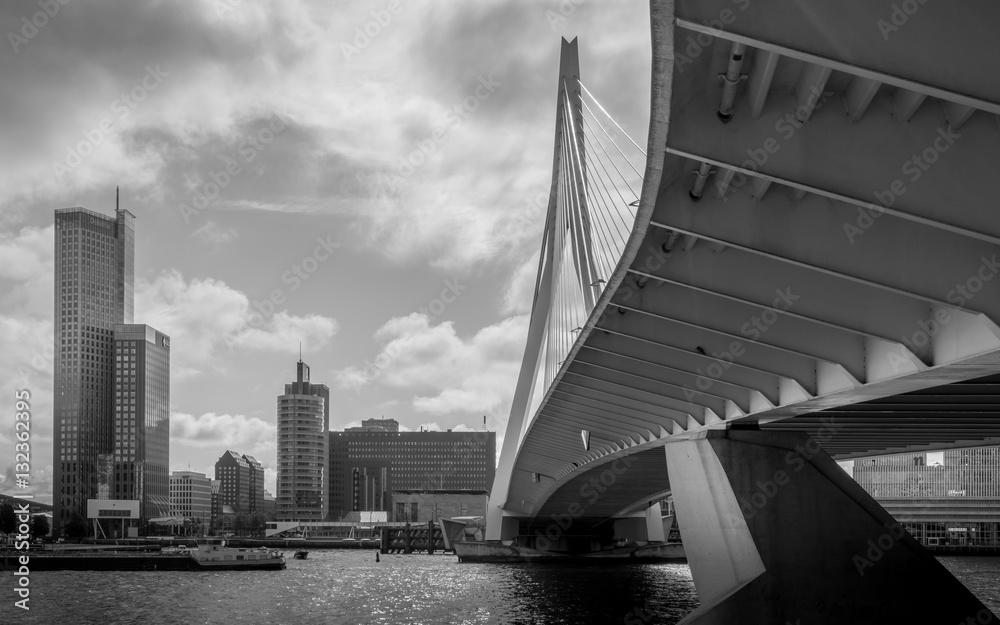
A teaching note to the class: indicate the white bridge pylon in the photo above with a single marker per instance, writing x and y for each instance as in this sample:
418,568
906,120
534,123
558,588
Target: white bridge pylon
591,213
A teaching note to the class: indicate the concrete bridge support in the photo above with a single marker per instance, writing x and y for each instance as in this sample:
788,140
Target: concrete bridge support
776,532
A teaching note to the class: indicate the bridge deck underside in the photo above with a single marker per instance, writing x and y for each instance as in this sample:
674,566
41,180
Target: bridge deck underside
823,262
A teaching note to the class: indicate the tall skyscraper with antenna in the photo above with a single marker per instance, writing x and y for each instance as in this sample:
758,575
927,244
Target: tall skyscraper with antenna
110,395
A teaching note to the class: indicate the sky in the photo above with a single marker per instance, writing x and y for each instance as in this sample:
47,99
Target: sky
368,179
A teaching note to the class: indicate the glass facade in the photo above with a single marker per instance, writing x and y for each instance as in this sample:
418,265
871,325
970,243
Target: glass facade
141,456
93,291
303,423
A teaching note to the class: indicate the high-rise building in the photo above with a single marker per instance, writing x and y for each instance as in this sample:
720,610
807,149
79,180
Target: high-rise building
233,472
303,423
141,456
367,466
191,497
256,485
94,260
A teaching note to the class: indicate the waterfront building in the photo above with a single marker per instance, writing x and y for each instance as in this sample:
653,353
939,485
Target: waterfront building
232,470
191,497
93,293
950,497
141,452
270,506
420,506
303,423
256,484
367,466
216,502
376,425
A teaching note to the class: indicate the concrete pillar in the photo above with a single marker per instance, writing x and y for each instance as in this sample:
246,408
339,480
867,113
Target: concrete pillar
776,532
654,524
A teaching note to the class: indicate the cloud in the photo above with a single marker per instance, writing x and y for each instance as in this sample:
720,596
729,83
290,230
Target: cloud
247,435
449,375
206,318
214,234
520,288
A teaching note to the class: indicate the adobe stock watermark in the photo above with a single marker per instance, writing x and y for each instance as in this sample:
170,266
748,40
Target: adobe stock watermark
753,329
566,8
697,43
786,127
960,296
39,19
898,17
913,168
878,547
367,32
294,277
453,118
123,107
249,148
590,492
796,460
435,308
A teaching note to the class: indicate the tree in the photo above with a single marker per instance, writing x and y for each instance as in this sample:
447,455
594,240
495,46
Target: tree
39,526
241,523
8,520
77,527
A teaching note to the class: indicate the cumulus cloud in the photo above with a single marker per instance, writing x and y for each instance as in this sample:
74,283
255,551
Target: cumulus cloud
249,435
206,318
448,374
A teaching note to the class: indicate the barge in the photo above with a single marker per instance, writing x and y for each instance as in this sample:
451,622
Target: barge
210,554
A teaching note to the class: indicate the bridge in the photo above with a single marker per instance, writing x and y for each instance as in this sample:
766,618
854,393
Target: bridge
797,268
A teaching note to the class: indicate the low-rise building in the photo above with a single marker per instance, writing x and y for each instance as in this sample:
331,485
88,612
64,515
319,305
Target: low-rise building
191,497
420,506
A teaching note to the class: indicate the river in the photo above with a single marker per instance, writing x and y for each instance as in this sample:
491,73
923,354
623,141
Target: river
348,586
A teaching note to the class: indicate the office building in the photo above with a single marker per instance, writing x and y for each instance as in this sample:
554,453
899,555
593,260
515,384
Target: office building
376,425
303,423
256,485
141,452
367,466
234,473
191,497
949,497
421,506
94,260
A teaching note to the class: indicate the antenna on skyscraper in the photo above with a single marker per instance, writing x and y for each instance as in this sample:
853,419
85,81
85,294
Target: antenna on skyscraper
300,351
116,199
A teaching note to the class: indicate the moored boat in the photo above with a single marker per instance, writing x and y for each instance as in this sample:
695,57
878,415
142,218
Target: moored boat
212,553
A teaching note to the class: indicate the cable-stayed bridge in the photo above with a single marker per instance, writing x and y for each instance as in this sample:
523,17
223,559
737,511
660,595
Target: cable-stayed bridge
798,268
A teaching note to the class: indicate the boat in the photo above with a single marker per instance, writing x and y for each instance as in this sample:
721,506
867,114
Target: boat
212,553
301,555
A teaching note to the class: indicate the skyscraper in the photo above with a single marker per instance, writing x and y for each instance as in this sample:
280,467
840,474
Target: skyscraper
142,418
303,423
111,378
94,259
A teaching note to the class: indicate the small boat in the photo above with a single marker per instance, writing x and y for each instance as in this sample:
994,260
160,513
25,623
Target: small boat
212,553
301,555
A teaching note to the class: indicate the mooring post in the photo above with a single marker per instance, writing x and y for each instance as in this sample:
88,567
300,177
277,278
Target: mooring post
406,540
